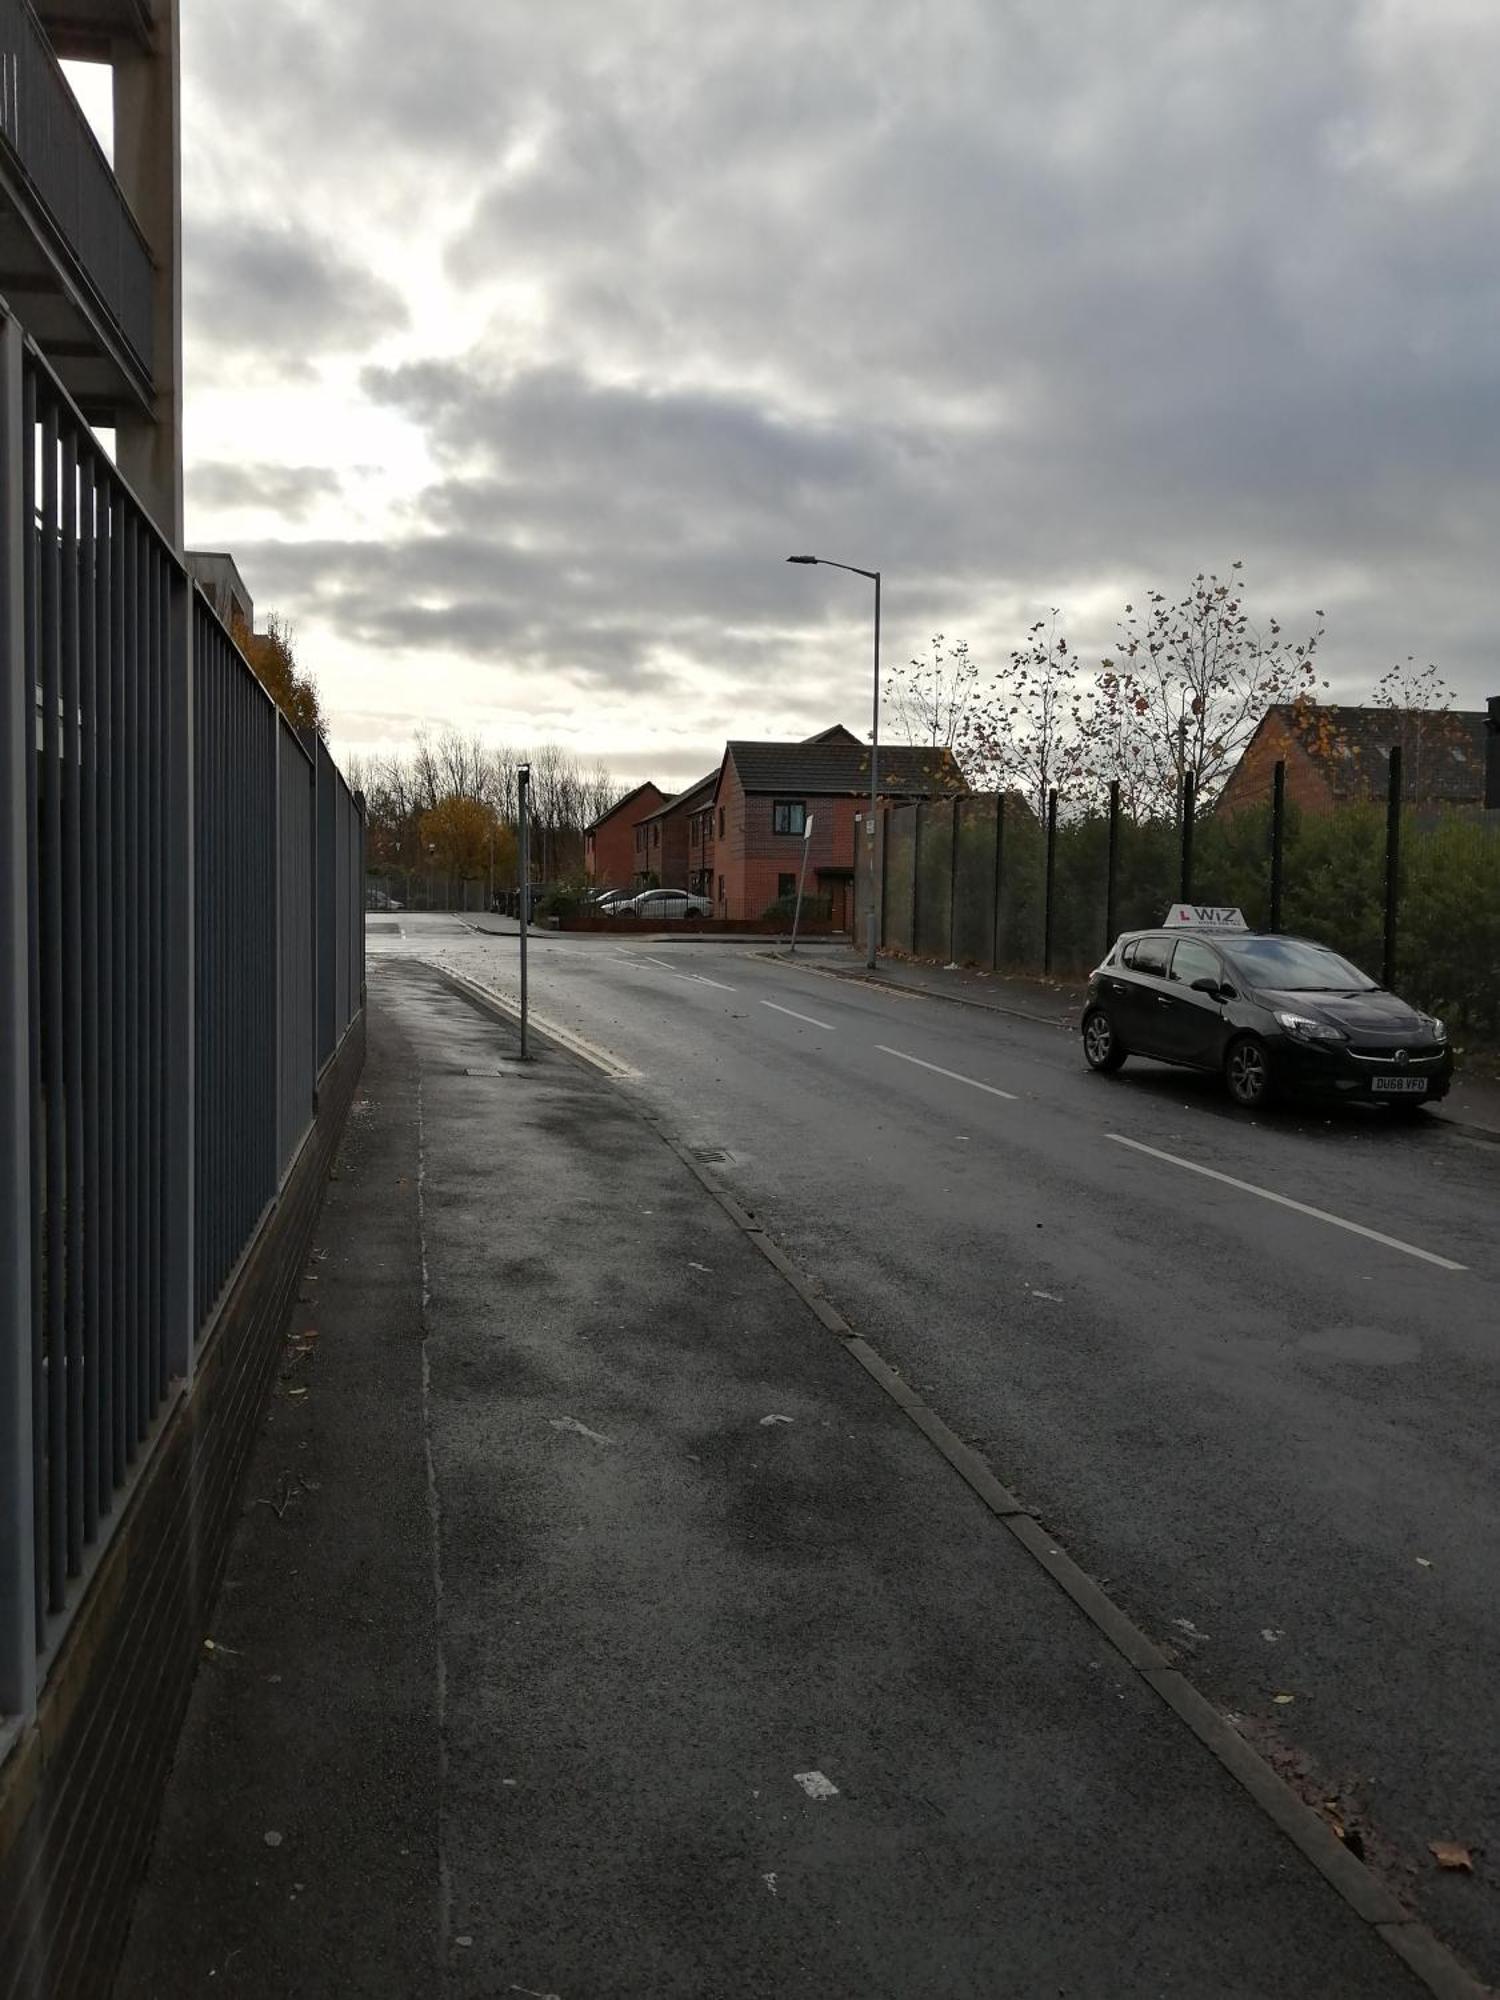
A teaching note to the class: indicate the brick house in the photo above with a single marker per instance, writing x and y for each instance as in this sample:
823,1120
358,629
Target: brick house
609,846
1339,756
668,843
765,793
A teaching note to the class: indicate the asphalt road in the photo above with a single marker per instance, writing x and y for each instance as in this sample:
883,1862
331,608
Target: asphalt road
1245,1369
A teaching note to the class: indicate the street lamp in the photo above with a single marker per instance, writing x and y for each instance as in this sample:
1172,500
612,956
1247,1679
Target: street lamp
872,919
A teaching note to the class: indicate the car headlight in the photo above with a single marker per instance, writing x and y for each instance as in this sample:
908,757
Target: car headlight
1435,1028
1304,1030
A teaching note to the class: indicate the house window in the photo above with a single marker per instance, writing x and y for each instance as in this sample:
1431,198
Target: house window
788,816
656,836
786,887
721,830
721,888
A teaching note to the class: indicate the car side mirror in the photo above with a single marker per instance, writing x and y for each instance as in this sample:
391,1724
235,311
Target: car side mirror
1208,986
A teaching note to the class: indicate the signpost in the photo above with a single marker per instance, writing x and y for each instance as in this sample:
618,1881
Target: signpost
801,878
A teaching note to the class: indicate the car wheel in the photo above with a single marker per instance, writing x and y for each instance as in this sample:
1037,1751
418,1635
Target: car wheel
1102,1047
1247,1072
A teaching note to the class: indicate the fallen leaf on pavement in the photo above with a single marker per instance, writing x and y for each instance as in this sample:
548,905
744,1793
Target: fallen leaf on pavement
1283,1698
1448,1854
1424,1562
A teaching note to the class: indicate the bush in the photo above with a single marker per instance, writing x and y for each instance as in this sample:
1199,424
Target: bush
815,910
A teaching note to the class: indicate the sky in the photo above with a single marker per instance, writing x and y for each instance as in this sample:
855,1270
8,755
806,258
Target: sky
524,343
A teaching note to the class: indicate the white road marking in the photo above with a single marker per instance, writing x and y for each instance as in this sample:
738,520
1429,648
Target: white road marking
811,1021
704,980
816,1785
938,1070
579,1430
1286,1201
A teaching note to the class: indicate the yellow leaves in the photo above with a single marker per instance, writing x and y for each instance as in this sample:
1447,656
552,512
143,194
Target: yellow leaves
1449,1854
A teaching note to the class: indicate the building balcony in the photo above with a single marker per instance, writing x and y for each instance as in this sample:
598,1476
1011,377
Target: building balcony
73,262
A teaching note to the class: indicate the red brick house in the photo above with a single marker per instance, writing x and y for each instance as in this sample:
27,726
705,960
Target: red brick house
609,846
1339,756
665,847
765,794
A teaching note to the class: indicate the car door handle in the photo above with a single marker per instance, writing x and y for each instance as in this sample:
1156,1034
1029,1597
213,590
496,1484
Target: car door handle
1165,1000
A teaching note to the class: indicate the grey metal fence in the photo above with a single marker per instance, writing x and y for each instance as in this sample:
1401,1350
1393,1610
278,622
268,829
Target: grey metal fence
50,138
166,906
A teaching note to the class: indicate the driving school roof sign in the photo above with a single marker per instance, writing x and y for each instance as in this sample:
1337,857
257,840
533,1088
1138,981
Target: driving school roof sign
1204,917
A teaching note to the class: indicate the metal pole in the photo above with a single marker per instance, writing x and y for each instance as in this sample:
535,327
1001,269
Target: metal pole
523,790
1278,839
17,749
916,870
801,879
999,880
1392,867
874,789
1185,892
1051,864
1112,867
885,845
953,886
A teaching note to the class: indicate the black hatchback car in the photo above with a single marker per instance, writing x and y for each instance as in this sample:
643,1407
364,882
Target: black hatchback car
1271,1014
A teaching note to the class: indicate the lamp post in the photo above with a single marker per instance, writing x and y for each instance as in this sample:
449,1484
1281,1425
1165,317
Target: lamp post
523,842
871,919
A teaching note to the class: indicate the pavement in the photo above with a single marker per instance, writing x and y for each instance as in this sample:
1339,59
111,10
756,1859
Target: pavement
604,1620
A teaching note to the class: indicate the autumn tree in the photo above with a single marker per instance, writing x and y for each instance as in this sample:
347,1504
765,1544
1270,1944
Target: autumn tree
273,657
1420,705
464,839
931,701
1188,684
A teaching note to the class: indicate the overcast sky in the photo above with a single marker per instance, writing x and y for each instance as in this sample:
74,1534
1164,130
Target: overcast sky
524,342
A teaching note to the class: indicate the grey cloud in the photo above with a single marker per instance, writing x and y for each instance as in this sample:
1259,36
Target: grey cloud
289,490
261,288
1027,306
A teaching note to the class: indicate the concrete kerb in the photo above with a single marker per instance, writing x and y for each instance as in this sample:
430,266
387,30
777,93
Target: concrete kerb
1425,1956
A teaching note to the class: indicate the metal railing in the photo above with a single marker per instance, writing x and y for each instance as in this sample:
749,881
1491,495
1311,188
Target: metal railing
52,143
168,902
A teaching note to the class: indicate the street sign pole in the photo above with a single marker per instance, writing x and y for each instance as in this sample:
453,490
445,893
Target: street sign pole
523,791
801,878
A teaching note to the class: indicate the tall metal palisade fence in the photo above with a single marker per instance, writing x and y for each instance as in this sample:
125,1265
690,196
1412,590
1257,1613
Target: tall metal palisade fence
181,954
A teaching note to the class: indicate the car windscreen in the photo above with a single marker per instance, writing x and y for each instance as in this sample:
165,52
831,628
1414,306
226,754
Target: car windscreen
1290,965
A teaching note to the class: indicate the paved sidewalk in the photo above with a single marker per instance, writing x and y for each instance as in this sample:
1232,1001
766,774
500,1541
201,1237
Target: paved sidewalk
1473,1104
597,1626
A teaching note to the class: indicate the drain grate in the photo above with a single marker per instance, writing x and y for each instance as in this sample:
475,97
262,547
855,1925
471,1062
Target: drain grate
710,1156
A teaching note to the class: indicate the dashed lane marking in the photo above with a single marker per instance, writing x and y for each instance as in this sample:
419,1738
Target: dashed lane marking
1286,1201
953,1075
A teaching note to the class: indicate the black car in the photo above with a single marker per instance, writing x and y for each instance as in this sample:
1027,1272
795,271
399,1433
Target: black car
1271,1014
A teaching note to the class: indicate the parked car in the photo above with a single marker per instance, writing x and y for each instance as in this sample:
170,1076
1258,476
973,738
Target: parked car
379,900
1271,1014
659,903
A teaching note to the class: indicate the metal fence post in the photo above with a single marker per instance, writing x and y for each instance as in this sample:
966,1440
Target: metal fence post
885,847
18,1634
1278,839
181,975
1112,867
916,870
953,886
1392,866
1189,808
1051,870
999,881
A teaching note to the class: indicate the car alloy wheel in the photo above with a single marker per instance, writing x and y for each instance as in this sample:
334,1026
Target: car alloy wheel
1247,1072
1102,1048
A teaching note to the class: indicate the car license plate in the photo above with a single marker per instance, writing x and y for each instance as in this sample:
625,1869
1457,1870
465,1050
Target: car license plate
1400,1086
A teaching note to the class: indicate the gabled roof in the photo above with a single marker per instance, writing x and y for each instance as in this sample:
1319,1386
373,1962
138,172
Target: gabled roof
837,734
629,799
1442,749
687,800
842,769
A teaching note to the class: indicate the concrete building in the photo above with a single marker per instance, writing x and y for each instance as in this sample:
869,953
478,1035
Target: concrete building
218,577
91,253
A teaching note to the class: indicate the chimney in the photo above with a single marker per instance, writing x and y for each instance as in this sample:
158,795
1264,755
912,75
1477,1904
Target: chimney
1492,755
